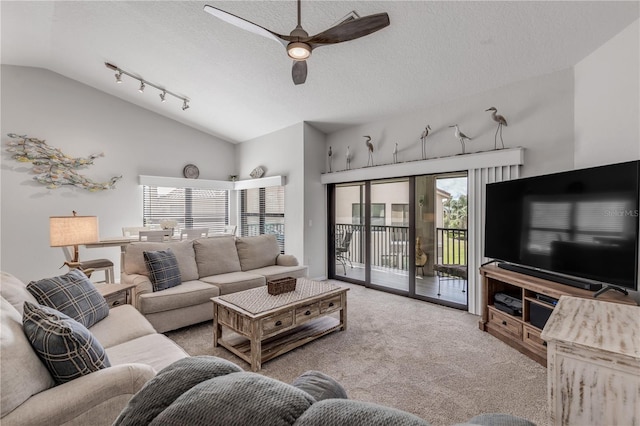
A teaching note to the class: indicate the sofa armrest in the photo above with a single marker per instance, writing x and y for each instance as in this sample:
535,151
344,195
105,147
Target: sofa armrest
286,260
142,285
95,399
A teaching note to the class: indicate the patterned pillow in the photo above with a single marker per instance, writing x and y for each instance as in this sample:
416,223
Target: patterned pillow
73,294
65,346
163,269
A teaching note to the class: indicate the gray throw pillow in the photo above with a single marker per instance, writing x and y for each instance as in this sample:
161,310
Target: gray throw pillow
73,294
65,346
163,269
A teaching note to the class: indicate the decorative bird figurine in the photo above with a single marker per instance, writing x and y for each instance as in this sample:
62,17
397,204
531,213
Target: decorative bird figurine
348,156
395,153
370,146
330,156
501,122
423,138
460,136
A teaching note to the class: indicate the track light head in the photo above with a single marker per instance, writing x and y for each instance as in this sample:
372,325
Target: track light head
185,105
163,96
118,77
142,86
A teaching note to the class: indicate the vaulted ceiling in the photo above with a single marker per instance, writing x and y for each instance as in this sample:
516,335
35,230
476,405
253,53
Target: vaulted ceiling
239,84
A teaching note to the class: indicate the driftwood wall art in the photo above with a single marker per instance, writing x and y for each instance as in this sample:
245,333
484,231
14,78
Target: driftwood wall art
53,168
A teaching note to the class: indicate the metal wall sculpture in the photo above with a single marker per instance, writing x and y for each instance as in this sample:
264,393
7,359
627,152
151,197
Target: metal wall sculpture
52,167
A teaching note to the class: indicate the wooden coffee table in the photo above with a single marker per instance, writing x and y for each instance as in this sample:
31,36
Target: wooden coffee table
265,326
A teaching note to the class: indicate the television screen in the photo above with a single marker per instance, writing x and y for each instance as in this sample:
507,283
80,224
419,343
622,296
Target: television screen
579,224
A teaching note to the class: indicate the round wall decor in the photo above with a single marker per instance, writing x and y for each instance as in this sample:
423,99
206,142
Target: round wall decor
191,171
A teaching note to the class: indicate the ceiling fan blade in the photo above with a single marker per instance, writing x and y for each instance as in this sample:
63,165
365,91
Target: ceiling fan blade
350,30
246,25
299,72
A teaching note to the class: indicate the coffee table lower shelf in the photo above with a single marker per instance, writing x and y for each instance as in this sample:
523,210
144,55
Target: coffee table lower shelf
281,343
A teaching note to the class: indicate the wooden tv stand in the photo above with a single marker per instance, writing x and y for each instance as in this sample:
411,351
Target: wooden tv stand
517,331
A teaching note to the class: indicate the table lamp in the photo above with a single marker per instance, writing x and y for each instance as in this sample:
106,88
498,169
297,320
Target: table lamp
71,231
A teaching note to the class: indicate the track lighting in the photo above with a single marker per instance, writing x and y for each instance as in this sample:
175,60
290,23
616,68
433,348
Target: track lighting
144,84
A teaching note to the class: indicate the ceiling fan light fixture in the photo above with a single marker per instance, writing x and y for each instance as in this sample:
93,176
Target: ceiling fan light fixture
298,51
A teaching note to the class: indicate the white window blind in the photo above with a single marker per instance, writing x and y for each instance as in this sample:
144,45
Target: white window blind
190,207
262,212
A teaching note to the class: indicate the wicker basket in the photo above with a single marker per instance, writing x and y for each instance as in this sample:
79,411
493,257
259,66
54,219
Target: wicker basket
282,285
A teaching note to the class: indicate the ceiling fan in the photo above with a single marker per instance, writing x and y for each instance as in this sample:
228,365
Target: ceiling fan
299,44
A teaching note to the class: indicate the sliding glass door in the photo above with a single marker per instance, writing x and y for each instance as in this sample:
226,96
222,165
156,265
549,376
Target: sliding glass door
347,232
405,235
389,234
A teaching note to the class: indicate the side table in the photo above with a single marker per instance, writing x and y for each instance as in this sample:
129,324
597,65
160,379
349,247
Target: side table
115,294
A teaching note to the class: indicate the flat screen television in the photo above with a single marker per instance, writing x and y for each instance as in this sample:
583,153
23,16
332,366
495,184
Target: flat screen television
578,227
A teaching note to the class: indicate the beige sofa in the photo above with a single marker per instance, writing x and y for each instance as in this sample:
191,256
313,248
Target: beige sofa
29,394
209,267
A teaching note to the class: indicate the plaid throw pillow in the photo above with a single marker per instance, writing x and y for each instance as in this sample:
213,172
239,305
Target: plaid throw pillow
73,294
65,346
163,269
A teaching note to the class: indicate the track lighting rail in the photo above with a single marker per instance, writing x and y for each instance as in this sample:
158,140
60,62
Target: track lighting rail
144,83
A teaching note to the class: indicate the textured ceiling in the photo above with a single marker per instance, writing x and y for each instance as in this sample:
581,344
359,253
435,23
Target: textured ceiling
239,84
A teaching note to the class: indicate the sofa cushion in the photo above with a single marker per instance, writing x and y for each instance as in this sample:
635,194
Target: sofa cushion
129,323
319,385
21,371
134,259
65,346
169,384
276,272
235,281
15,291
72,294
257,252
189,293
216,256
356,413
163,269
155,350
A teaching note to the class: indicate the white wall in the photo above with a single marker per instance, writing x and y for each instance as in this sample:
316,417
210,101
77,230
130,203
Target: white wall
607,102
539,113
315,203
80,121
281,153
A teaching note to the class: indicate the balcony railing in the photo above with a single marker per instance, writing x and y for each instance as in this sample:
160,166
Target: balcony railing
390,245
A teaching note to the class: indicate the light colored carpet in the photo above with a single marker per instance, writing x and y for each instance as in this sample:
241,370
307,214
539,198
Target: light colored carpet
419,357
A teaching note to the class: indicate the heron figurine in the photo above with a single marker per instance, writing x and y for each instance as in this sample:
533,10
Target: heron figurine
501,122
460,136
370,147
423,138
330,156
348,156
395,153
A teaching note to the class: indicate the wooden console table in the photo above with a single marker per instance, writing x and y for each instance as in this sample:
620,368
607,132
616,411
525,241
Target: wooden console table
593,363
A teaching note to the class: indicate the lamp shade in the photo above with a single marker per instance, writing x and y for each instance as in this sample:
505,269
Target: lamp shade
72,230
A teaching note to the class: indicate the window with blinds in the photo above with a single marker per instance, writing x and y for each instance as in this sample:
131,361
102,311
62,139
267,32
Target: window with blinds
190,207
262,212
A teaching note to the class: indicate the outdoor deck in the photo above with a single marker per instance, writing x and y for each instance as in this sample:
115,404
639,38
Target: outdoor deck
451,289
